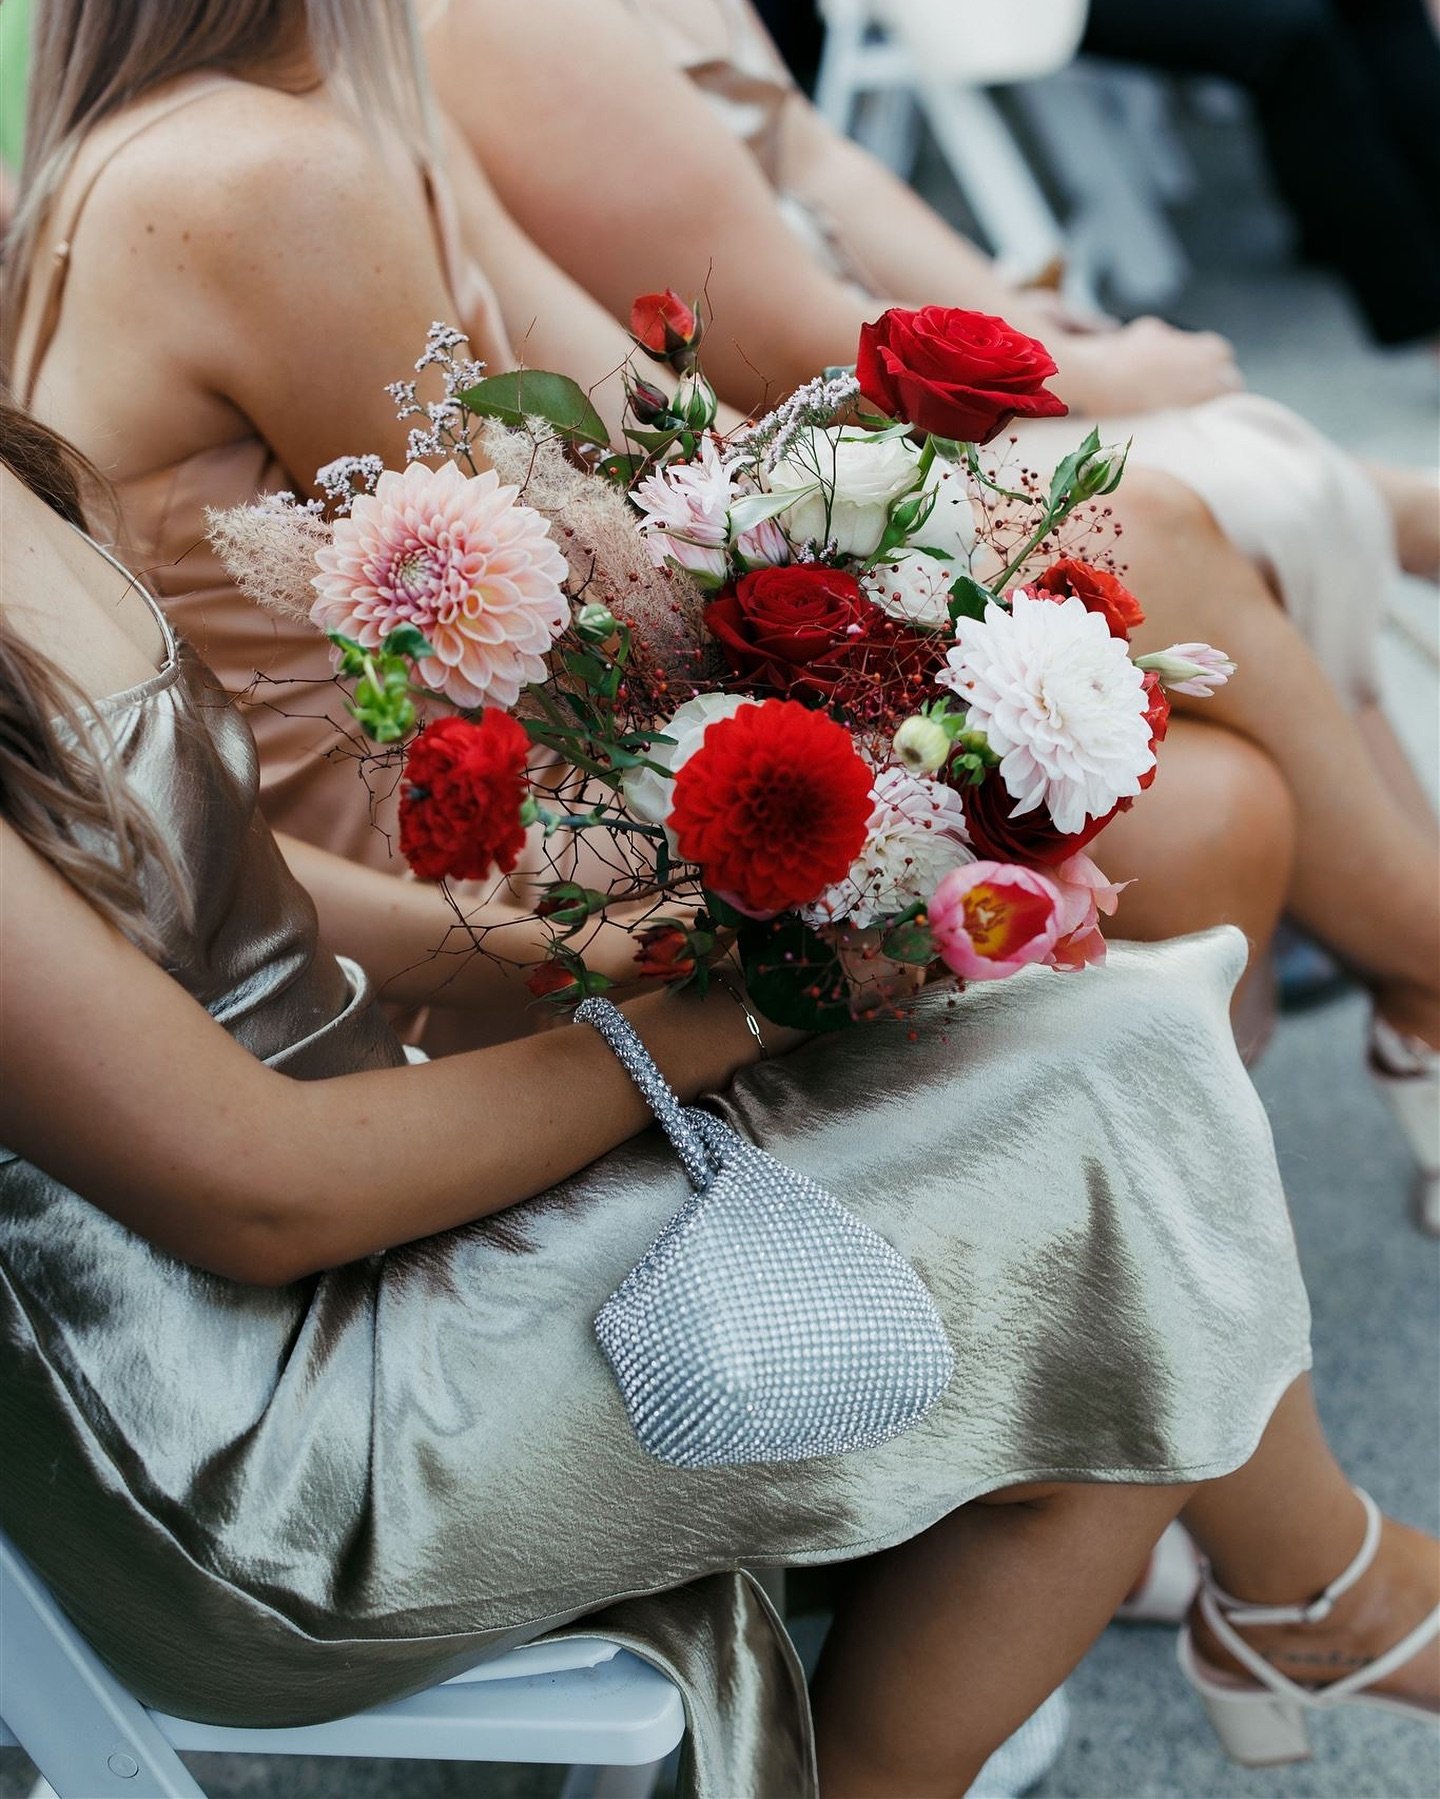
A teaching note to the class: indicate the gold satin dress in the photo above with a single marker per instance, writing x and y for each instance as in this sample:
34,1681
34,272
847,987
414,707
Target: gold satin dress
271,1507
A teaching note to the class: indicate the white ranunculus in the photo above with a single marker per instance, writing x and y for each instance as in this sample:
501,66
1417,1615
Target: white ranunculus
914,587
852,479
951,524
647,794
916,835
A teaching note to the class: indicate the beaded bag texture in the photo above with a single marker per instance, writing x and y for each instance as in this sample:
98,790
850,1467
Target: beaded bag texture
766,1323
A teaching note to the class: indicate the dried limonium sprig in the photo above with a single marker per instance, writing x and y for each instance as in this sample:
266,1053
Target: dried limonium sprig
770,438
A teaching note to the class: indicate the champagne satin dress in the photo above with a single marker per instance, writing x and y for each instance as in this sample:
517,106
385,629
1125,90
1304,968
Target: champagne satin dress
273,1506
1304,511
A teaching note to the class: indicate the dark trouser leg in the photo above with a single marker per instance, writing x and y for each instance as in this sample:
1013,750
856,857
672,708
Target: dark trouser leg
1362,203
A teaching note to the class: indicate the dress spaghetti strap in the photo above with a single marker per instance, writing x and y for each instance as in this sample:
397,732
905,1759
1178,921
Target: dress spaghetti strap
58,263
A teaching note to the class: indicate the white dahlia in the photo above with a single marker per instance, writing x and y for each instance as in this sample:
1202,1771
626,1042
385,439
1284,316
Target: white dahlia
915,836
1059,701
458,557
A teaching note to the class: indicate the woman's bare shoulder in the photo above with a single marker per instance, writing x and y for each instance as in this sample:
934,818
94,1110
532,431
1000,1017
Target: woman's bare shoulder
238,172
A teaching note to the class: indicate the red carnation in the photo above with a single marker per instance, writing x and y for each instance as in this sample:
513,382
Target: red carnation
1157,716
773,806
666,328
460,806
1096,591
956,374
812,631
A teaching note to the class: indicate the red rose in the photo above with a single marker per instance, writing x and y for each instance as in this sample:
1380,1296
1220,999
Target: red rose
999,836
663,953
665,327
812,631
962,375
460,805
773,806
1097,592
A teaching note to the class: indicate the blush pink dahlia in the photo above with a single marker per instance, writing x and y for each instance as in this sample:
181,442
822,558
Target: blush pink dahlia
458,558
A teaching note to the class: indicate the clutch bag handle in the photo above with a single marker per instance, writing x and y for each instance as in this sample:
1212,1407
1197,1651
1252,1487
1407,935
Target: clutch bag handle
674,1119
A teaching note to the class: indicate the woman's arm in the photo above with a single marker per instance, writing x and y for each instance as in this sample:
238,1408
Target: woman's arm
610,159
420,950
117,1083
675,199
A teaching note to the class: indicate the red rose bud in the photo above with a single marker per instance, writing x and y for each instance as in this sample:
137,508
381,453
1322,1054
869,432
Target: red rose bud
1096,591
954,374
666,328
650,406
549,978
663,952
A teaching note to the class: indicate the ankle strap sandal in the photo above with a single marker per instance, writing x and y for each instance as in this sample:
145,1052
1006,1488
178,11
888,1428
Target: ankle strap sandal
1265,1723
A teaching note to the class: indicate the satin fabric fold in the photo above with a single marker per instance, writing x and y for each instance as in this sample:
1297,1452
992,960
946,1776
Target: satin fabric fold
269,1507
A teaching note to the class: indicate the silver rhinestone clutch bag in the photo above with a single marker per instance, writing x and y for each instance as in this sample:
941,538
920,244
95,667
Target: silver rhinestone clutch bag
766,1323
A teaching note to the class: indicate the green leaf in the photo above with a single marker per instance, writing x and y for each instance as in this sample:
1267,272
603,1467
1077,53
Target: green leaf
1066,470
654,440
620,468
722,913
793,975
968,598
753,509
407,640
910,943
524,394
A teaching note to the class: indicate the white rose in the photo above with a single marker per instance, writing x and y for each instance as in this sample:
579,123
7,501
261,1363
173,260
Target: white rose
951,524
915,587
647,794
867,475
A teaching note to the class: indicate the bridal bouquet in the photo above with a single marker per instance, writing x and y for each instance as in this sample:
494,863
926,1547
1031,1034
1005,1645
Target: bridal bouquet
832,682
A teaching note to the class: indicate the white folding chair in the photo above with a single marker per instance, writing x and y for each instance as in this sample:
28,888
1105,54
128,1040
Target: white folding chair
942,56
584,1702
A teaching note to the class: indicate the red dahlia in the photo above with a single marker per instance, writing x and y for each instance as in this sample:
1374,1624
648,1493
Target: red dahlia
773,806
460,806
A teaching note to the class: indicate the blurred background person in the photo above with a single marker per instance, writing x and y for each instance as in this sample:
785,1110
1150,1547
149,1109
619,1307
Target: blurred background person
1347,97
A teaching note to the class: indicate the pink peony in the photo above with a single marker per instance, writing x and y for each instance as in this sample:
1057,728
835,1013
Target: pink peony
1084,895
991,919
458,558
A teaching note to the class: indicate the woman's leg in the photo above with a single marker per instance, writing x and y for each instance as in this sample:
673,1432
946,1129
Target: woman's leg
1364,874
1212,842
944,1646
1282,1528
1414,504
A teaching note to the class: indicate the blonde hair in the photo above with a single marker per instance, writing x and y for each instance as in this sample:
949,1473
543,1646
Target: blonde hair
61,785
90,58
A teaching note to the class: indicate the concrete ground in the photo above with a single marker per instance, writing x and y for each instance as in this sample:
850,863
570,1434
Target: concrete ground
1374,1282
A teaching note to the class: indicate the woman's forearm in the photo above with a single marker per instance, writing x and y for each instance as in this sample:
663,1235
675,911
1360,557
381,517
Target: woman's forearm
899,245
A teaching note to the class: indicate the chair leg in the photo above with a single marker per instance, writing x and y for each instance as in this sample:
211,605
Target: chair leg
612,1783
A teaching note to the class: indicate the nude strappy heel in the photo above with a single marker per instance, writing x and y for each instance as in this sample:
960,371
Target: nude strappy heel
1265,1722
1407,1072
